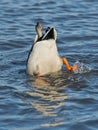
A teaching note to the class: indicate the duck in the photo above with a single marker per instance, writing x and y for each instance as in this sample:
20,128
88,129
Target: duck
43,57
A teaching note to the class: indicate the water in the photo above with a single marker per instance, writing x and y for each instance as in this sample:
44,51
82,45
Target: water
81,68
63,101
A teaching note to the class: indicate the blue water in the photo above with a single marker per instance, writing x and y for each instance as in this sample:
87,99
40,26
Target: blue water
63,100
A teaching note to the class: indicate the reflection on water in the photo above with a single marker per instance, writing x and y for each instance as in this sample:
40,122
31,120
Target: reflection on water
55,122
47,99
50,97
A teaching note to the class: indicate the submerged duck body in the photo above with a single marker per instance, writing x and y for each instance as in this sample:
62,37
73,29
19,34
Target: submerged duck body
44,58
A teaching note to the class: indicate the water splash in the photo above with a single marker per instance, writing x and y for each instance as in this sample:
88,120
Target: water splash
81,68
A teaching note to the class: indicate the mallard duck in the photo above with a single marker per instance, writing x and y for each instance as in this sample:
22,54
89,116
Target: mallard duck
44,57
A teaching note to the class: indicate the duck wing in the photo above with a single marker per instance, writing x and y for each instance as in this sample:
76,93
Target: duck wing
50,34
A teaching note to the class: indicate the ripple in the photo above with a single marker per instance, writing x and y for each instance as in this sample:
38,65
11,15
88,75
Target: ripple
62,100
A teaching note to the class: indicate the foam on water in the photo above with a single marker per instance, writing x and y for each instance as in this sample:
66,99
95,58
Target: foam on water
82,68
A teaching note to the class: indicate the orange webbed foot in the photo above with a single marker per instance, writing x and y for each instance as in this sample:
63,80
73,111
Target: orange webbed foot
65,61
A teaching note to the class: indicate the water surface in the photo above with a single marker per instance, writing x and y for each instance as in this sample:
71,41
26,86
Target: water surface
63,100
